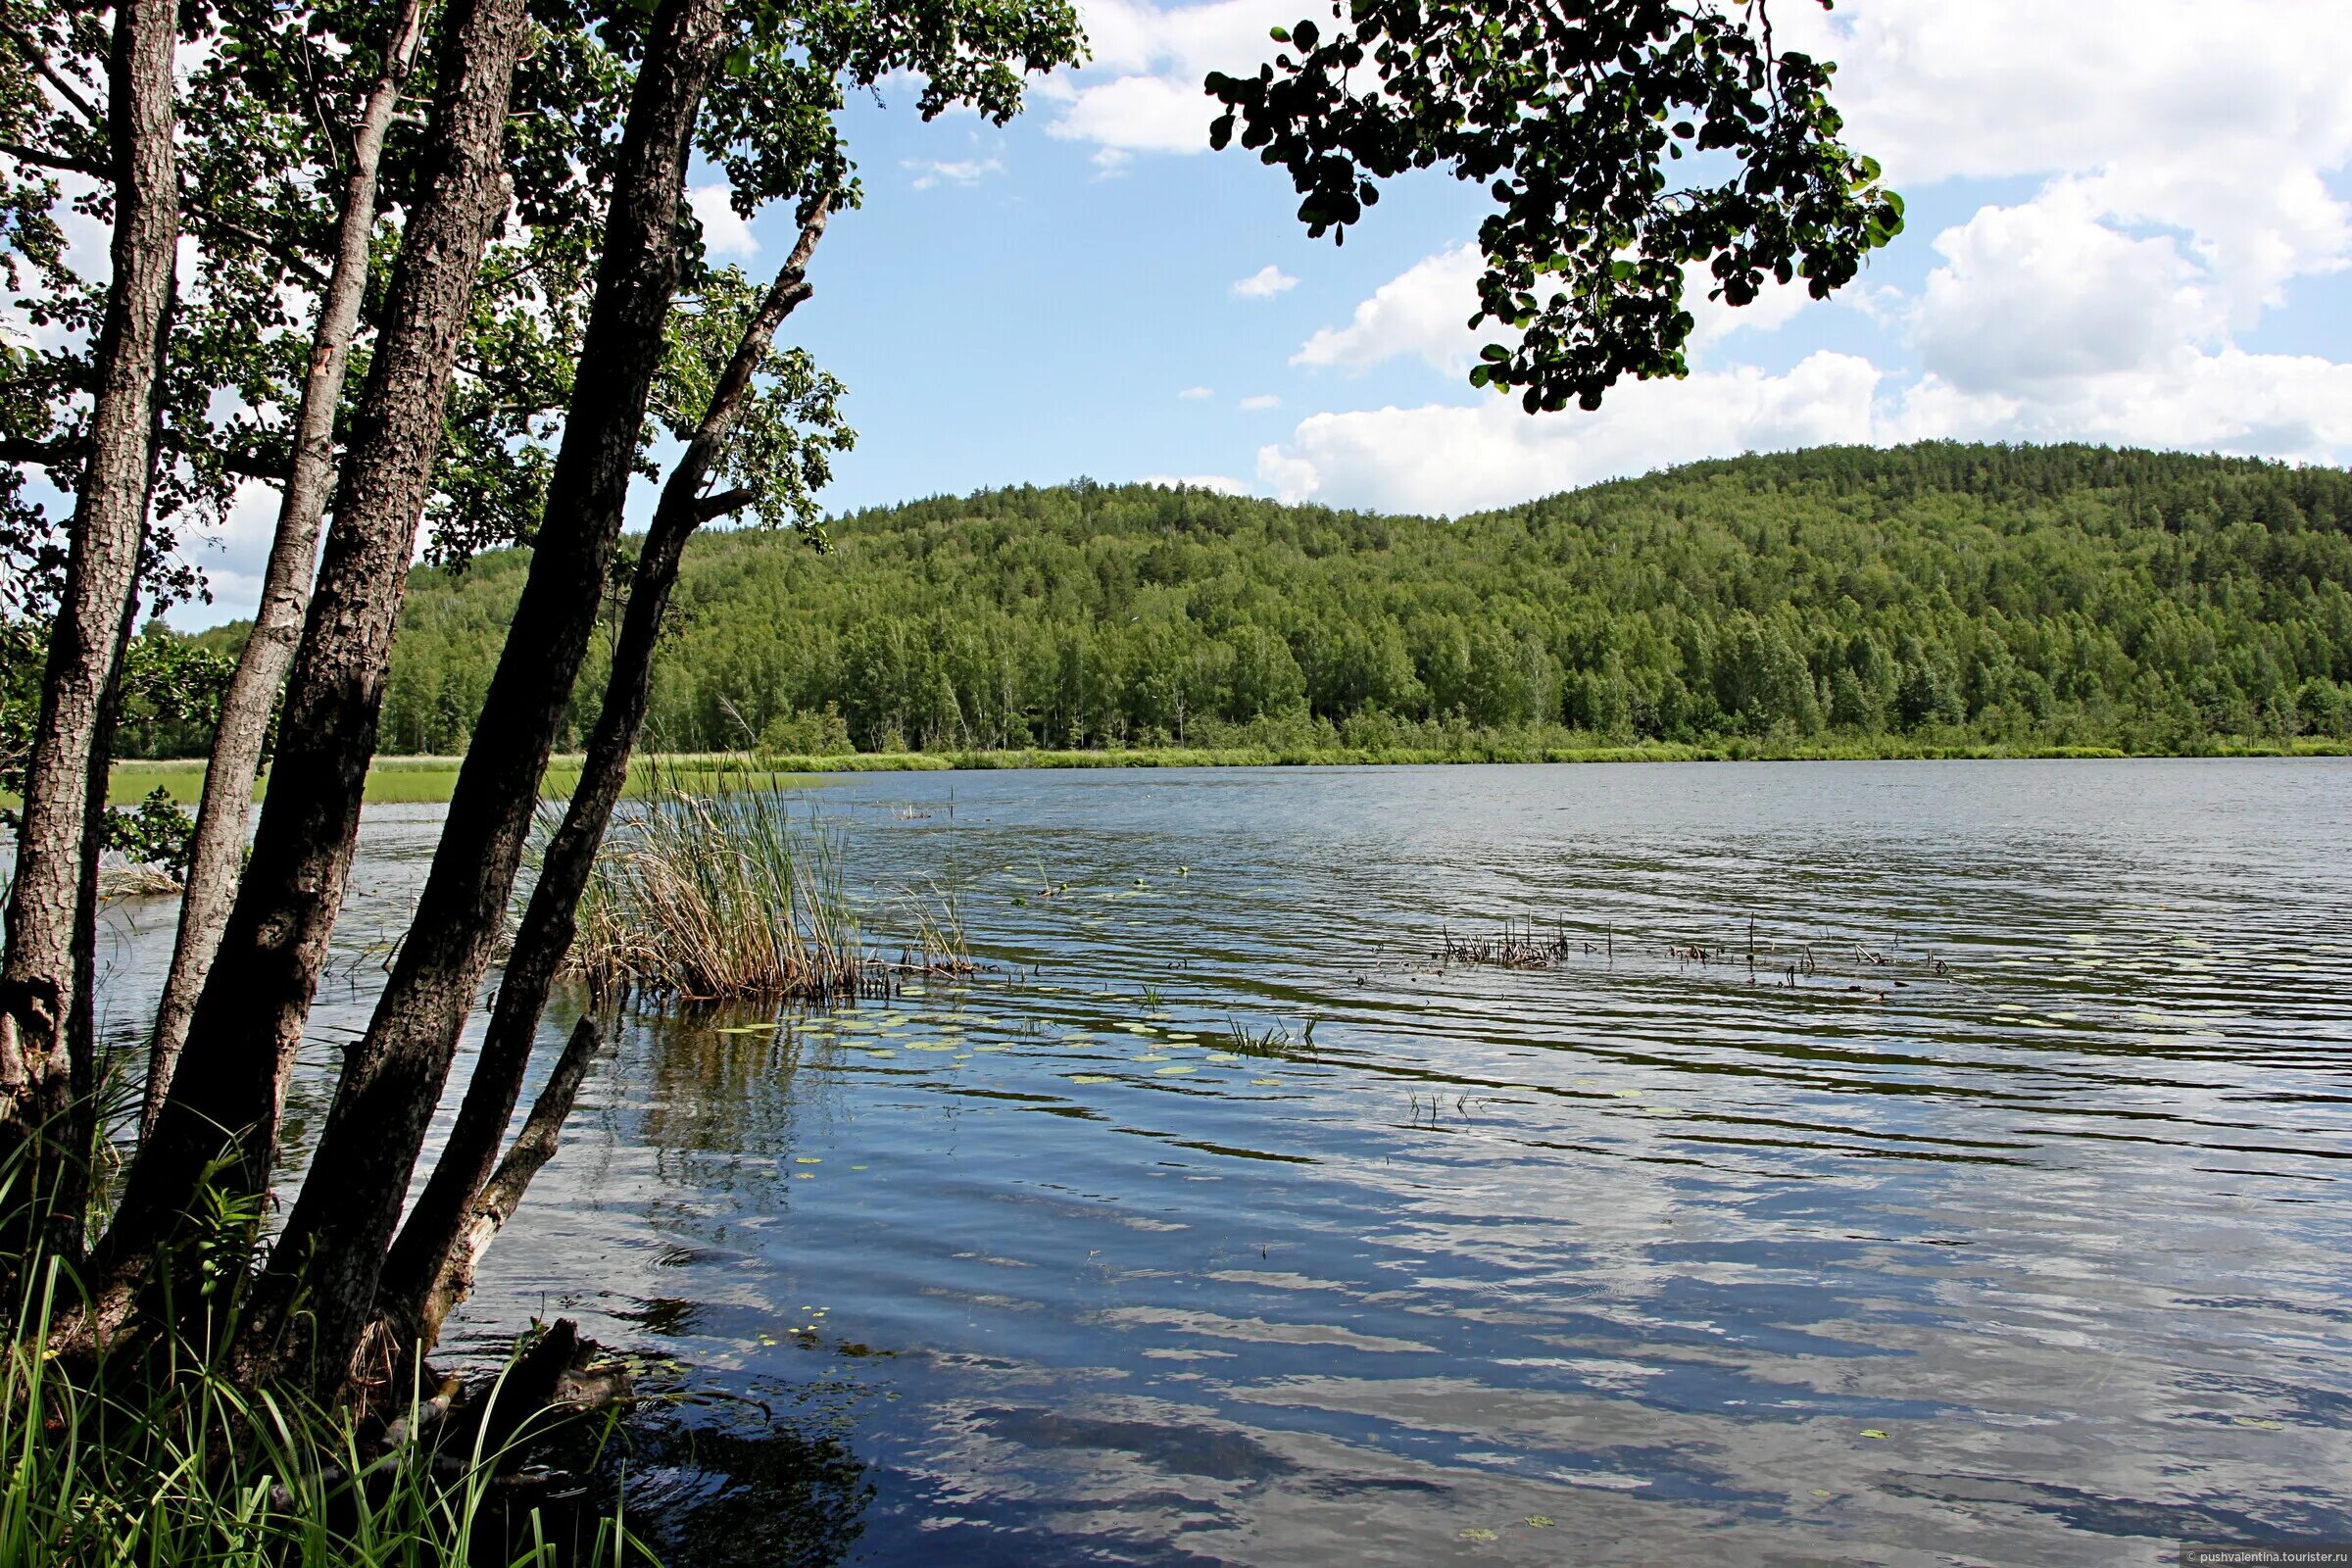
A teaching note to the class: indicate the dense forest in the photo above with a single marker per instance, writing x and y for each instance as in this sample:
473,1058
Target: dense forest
1935,593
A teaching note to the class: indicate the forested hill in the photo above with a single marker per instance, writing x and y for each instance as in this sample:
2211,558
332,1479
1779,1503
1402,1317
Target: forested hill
1943,593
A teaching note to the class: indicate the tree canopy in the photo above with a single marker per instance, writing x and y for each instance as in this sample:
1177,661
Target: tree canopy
1572,114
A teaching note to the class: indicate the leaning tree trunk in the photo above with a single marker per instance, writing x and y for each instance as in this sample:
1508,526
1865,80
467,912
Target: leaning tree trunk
220,1121
463,1203
81,1022
110,521
244,723
332,1253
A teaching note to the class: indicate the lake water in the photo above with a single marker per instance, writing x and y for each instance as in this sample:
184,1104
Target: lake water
2011,1227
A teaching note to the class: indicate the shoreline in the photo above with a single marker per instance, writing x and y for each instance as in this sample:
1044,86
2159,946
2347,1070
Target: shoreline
427,780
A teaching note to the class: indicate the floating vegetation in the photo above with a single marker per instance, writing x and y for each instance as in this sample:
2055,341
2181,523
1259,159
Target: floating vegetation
711,888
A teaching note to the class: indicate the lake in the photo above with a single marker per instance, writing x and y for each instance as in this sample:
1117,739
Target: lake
1900,1162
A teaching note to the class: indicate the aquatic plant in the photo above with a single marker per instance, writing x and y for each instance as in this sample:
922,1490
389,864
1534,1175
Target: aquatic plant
1516,946
713,886
1273,1040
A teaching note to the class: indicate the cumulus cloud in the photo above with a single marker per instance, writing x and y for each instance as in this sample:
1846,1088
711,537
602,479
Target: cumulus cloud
1264,283
2291,406
1197,392
2044,291
1423,312
1257,404
1444,458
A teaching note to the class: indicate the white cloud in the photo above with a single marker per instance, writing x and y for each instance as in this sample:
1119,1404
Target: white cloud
2041,291
1220,483
2296,407
2219,118
2182,163
232,557
724,231
1452,458
1139,114
929,171
1197,392
1424,310
1142,90
1260,403
1264,283
1712,319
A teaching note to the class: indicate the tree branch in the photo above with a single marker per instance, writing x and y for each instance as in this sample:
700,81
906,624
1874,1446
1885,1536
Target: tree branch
726,501
58,161
17,449
277,250
38,59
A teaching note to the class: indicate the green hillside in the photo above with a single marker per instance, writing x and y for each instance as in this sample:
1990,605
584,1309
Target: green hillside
1930,596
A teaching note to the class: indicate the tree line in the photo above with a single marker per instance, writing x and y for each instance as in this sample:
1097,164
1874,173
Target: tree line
2055,595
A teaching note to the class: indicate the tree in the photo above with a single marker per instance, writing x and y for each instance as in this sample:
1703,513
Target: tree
46,1076
246,707
1571,115
222,1113
757,88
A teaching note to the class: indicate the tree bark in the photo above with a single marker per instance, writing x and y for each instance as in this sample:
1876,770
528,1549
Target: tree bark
431,1263
37,994
245,706
331,1253
220,1119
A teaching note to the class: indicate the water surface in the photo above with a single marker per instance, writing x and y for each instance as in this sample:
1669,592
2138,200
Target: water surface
1903,1163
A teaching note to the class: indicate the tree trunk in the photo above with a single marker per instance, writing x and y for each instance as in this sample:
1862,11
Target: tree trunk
110,520
431,1265
489,1206
227,1095
220,837
332,1253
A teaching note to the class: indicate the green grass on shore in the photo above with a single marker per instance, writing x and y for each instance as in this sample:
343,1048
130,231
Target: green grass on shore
428,780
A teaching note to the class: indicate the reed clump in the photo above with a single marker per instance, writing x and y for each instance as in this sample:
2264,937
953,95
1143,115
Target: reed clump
713,887
1517,946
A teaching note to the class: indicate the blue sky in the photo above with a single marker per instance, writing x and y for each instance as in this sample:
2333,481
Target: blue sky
2129,223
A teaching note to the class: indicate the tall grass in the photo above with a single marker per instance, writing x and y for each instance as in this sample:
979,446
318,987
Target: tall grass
174,1465
711,887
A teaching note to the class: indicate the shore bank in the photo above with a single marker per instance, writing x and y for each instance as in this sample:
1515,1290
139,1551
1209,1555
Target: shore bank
428,780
